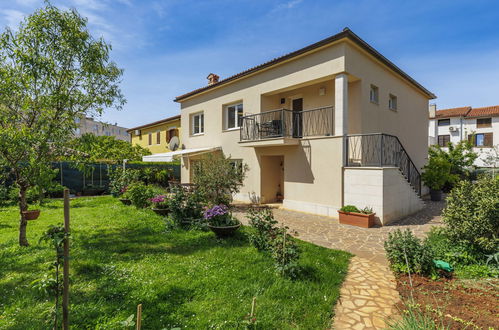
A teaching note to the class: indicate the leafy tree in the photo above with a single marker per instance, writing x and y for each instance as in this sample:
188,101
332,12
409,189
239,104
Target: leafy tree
107,149
460,156
51,72
218,178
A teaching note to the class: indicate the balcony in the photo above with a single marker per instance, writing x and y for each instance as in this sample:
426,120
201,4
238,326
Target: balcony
286,127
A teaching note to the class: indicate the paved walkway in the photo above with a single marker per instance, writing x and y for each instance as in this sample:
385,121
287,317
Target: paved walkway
368,295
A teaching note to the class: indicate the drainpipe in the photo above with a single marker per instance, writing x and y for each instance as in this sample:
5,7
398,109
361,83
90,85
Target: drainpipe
461,128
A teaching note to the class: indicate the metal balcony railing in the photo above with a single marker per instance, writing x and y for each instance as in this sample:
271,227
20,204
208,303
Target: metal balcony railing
284,123
382,150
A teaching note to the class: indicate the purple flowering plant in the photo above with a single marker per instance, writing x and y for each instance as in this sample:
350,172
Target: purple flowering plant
159,201
219,216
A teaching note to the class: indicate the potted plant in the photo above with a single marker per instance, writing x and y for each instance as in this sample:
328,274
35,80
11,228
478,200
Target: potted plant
435,174
351,215
124,198
160,204
220,221
31,214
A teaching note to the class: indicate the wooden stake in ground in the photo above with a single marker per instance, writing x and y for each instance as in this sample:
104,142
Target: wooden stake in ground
139,317
65,284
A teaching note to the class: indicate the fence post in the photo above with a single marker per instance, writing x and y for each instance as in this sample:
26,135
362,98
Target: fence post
65,283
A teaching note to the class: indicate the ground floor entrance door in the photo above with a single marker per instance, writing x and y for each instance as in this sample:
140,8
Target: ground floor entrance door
272,178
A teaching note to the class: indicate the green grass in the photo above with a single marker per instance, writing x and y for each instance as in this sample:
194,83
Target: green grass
122,256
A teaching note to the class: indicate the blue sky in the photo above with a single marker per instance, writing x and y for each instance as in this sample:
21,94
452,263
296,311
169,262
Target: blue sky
167,47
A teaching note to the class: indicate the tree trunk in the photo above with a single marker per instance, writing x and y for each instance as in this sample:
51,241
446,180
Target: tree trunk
23,223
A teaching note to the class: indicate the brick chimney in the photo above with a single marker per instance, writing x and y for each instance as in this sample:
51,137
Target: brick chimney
212,78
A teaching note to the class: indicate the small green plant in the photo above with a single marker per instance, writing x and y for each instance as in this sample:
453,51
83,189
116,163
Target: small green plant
285,253
265,226
55,236
367,210
120,179
407,254
413,319
139,194
350,208
186,207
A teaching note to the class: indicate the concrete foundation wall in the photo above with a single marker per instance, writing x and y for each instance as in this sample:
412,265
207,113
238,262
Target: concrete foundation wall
383,189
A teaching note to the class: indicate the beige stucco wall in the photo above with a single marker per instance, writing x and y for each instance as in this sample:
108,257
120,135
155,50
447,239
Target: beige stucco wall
409,122
385,190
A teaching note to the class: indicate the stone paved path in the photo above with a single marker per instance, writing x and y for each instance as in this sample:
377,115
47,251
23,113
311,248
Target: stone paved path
369,294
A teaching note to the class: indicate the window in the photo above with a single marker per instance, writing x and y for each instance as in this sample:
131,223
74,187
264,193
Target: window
374,94
392,102
197,123
483,122
482,139
150,138
96,128
77,120
443,140
158,137
233,115
443,122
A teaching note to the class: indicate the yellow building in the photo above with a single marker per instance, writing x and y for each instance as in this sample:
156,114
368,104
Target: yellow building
158,136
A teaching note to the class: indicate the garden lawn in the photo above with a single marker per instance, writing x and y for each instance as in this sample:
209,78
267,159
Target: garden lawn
121,256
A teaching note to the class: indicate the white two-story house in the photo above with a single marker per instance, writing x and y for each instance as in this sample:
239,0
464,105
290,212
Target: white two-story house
480,126
331,124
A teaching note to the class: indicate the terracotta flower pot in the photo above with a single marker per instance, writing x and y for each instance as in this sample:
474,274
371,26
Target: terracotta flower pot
222,232
162,212
125,201
31,214
357,219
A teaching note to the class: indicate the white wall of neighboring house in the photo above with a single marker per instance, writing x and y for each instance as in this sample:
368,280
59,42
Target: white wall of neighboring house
98,128
463,127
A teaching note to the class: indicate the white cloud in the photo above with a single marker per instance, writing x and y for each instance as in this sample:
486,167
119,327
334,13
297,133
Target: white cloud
12,17
288,4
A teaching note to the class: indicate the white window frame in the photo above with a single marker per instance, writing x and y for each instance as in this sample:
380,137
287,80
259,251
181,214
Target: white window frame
201,123
236,119
374,94
392,102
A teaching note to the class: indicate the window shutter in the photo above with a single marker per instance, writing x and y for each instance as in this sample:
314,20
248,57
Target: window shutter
150,138
488,139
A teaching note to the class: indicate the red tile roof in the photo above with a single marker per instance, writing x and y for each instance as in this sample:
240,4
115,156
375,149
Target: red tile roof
453,112
346,33
155,123
492,111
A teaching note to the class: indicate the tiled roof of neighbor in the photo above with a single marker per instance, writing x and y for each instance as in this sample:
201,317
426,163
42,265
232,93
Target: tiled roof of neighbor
155,123
454,112
484,111
468,112
346,33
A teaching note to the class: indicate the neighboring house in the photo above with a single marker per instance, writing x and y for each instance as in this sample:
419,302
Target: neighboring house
478,125
89,125
159,137
331,124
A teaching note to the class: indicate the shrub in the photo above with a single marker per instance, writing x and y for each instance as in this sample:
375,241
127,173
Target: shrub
407,253
437,173
285,253
120,179
218,178
159,201
139,194
265,226
185,206
270,238
472,214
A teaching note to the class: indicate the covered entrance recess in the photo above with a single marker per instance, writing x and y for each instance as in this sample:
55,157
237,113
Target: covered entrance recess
272,179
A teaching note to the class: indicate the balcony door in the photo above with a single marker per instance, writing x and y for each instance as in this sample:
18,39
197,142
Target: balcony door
297,107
